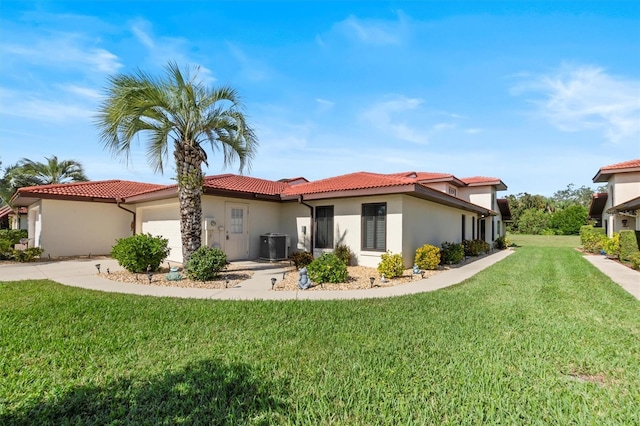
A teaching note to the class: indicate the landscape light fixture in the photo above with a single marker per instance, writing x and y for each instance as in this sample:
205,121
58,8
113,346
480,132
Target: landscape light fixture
273,283
372,279
98,267
226,281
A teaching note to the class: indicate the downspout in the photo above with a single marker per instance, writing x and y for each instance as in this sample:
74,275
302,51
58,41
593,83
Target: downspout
133,223
311,209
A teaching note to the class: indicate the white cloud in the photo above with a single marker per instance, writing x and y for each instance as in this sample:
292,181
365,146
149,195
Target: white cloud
66,51
324,104
85,92
577,98
372,31
252,69
391,116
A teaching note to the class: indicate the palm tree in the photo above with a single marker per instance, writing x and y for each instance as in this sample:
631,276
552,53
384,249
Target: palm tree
53,171
192,115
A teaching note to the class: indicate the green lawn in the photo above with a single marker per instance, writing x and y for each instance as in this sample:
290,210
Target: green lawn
540,338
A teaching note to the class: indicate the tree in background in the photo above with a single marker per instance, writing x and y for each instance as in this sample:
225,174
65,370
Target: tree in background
53,171
30,173
180,109
522,202
568,221
572,196
534,221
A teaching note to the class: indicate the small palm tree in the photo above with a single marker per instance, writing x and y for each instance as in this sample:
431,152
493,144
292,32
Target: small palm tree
53,171
180,108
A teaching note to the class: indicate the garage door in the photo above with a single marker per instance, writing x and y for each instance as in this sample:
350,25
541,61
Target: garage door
169,229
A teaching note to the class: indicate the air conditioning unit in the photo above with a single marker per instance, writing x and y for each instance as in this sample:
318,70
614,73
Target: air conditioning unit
274,246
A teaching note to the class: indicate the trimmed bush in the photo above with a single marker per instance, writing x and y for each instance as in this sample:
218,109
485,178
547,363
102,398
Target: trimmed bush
452,253
137,253
344,253
628,244
27,255
328,268
634,259
611,246
592,238
205,264
301,259
501,243
427,257
475,247
391,265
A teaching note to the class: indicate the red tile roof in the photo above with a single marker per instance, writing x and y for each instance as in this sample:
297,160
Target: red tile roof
229,182
605,172
349,182
105,189
5,210
423,176
479,179
623,165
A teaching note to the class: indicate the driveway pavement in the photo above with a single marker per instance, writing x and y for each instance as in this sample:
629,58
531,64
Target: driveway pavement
83,273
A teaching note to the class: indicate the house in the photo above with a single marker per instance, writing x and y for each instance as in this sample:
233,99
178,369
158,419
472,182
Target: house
617,209
13,218
370,212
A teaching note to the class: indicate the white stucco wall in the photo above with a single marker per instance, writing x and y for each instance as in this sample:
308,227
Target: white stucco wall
74,228
262,217
293,217
621,187
479,195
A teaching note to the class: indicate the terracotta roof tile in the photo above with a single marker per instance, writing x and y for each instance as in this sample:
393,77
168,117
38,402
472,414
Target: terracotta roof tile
623,165
349,182
423,176
479,179
229,182
106,189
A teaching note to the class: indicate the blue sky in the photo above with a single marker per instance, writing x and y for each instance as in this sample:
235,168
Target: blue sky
539,94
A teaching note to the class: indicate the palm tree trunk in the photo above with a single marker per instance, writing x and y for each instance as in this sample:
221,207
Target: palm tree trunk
189,173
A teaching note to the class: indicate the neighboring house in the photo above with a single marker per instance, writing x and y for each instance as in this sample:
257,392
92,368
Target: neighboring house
369,212
617,209
13,218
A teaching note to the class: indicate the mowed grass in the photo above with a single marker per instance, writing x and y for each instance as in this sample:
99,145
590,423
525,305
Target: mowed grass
541,337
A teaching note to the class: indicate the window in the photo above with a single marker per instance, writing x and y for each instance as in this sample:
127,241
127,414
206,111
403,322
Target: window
324,227
452,191
374,226
464,223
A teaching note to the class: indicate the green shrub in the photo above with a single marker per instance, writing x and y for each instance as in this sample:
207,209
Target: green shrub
205,264
301,259
611,246
328,268
548,232
501,243
27,255
634,259
569,220
592,238
451,253
628,244
475,247
9,238
391,265
533,221
344,253
140,251
427,257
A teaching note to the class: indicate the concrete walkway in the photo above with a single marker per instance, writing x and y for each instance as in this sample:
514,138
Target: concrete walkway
83,273
626,277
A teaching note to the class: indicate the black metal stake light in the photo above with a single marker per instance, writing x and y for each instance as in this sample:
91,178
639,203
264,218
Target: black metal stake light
149,273
273,283
372,279
98,267
422,274
226,281
108,272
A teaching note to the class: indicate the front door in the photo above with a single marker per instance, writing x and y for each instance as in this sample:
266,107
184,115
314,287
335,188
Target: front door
236,244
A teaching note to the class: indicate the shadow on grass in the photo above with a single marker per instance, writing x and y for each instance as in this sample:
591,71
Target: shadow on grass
202,393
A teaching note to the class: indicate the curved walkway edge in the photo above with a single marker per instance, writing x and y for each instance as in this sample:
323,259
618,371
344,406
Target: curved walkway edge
82,273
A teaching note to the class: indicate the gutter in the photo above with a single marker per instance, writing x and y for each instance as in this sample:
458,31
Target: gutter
133,223
311,209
